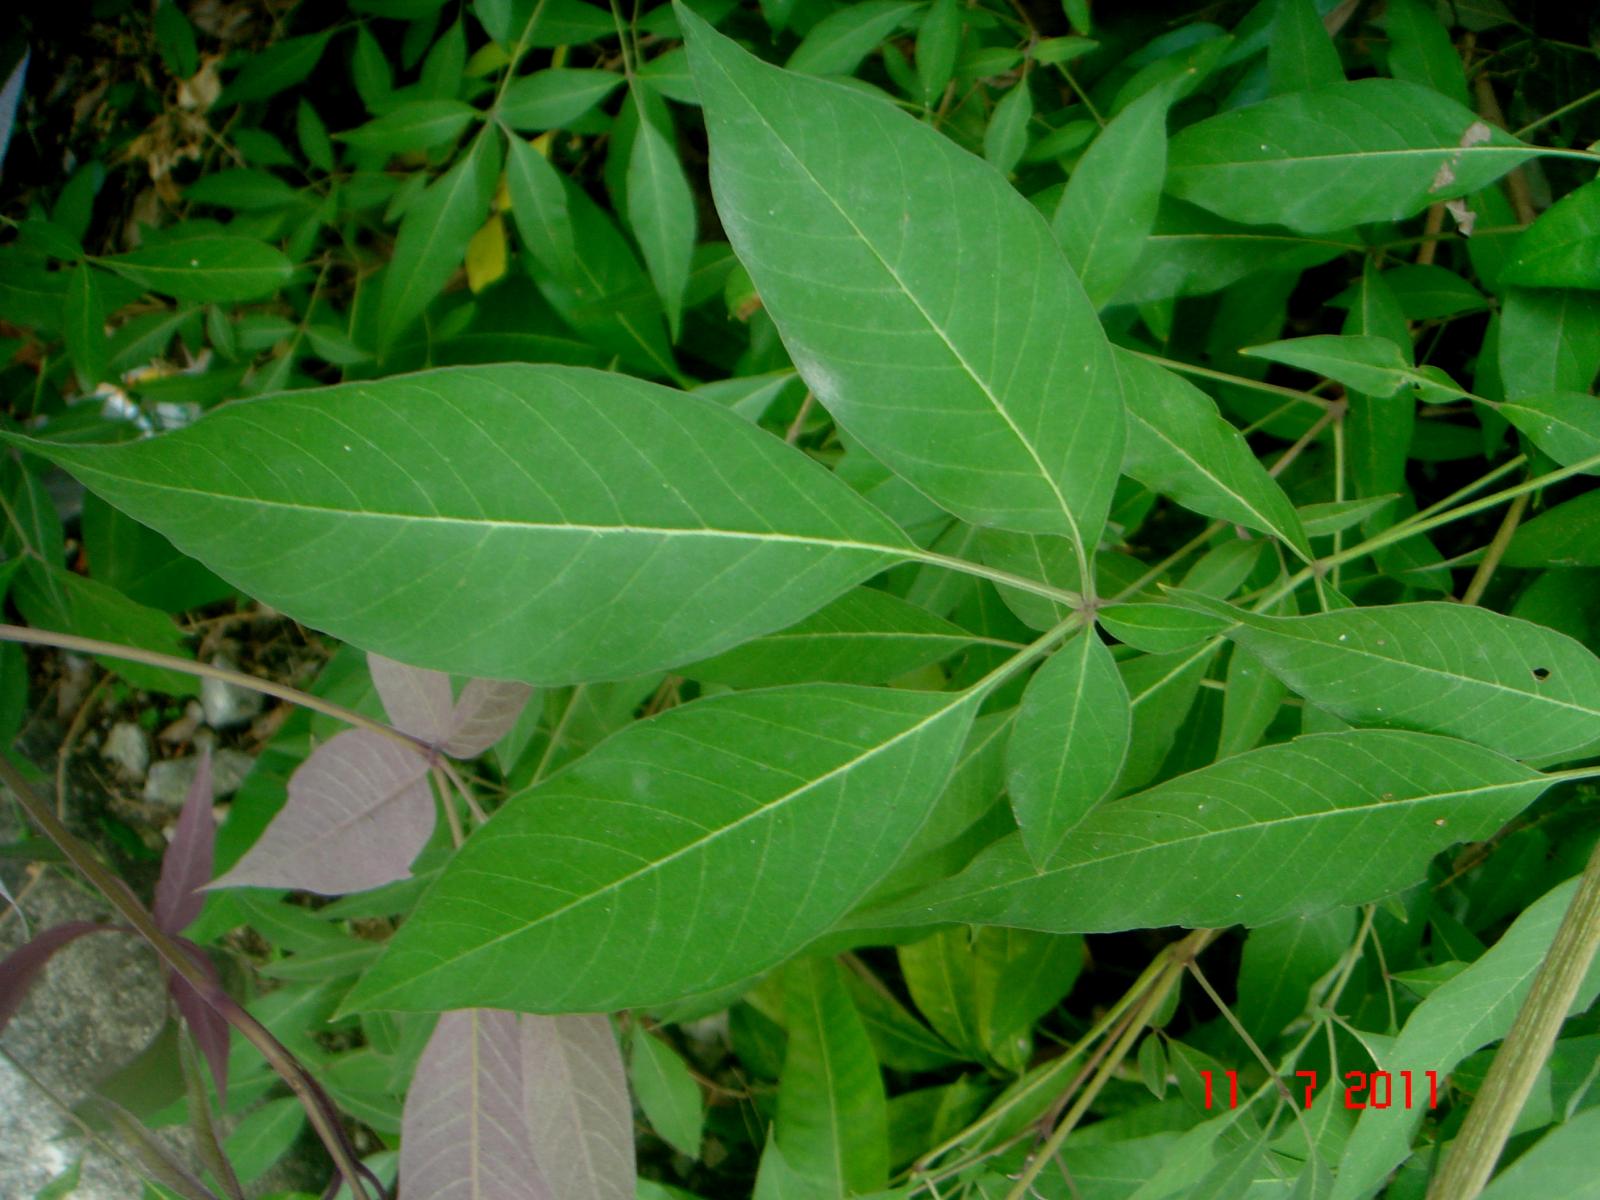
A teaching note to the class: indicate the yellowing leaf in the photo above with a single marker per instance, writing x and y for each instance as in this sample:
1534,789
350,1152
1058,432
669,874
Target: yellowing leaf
486,252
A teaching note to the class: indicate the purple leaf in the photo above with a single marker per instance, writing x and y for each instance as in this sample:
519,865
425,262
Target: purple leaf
463,1135
186,868
22,966
210,1027
486,710
418,701
576,1096
359,810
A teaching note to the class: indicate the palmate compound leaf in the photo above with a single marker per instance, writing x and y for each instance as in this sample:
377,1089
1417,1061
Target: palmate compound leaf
687,852
548,524
503,1107
1340,155
922,298
1509,684
1316,823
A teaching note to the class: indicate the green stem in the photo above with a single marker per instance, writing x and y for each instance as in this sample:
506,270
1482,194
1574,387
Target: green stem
1176,959
1477,1146
1428,519
1243,381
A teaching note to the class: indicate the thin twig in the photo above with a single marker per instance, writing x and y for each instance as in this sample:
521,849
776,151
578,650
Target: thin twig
1496,551
83,645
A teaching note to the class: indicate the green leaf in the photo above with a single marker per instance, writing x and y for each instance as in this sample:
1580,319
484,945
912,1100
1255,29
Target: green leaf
1375,366
414,125
836,44
1561,1163
1280,964
1565,425
1300,54
742,826
1561,248
938,39
1158,628
210,268
277,68
1371,150
1421,52
875,244
52,597
833,1118
313,136
1250,703
175,40
865,636
777,1179
1192,252
549,99
1109,206
643,540
900,1041
584,268
264,1136
1071,738
667,1092
1334,516
661,205
1021,976
1327,821
84,320
1568,535
1005,138
1179,445
940,974
1424,293
1161,691
1549,341
1462,1015
1456,669
1378,428
434,234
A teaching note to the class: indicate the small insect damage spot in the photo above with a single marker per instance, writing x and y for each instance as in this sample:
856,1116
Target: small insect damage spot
1476,134
1541,673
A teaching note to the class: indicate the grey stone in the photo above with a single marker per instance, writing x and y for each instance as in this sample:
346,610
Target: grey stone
94,1008
227,704
128,747
168,781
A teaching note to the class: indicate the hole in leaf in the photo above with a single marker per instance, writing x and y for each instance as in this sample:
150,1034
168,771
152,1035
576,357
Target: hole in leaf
1541,672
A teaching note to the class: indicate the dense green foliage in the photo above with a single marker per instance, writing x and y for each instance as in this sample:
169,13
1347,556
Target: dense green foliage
1011,592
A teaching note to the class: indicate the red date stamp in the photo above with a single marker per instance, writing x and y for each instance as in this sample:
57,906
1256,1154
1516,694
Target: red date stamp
1363,1089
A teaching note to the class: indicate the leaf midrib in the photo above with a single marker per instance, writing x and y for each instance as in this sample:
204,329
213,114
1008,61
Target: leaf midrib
698,844
1251,827
532,526
1453,151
